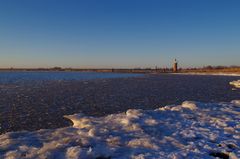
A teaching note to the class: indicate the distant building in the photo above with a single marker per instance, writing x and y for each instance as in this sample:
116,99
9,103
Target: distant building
175,66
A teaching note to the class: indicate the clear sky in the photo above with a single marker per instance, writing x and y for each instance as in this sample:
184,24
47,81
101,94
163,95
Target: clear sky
119,33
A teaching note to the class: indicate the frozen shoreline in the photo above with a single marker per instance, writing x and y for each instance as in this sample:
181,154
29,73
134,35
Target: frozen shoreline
214,74
192,129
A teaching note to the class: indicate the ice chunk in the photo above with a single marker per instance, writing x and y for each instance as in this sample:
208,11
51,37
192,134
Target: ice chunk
79,120
236,102
190,105
133,113
235,83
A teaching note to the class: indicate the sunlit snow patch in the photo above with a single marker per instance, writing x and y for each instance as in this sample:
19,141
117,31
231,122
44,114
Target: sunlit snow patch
235,83
190,130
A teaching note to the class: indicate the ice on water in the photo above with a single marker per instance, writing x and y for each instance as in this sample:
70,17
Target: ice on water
235,83
190,130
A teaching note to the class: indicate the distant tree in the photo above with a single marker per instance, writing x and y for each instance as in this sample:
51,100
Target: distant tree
209,67
57,68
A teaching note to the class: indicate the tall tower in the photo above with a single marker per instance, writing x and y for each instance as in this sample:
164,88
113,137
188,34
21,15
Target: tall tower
175,66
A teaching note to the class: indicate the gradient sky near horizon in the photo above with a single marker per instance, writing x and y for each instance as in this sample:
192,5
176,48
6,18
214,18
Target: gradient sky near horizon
119,33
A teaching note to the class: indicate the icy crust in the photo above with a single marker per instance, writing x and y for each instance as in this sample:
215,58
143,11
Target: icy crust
191,130
235,83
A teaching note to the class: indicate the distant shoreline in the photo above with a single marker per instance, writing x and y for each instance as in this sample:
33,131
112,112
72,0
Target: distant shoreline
209,73
199,71
80,70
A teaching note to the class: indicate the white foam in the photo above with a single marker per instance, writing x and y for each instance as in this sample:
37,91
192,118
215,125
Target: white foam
189,130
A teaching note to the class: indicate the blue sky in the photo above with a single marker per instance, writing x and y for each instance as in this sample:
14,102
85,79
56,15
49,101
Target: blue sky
119,33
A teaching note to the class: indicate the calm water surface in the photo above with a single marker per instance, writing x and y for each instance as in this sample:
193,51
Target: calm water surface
15,77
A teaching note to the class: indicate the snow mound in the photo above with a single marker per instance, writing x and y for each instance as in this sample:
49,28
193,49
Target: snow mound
190,105
190,130
235,83
236,102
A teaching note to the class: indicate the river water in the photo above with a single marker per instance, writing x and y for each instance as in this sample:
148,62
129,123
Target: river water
39,100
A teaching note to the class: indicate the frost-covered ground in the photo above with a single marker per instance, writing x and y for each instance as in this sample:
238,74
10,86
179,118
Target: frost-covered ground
189,130
235,83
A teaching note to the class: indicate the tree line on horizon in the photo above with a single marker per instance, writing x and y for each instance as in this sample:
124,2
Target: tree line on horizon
208,68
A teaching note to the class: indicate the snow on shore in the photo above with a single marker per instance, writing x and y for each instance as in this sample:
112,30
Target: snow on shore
235,83
191,130
208,73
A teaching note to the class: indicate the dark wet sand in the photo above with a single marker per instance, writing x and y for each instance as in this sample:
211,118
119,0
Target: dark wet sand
42,104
